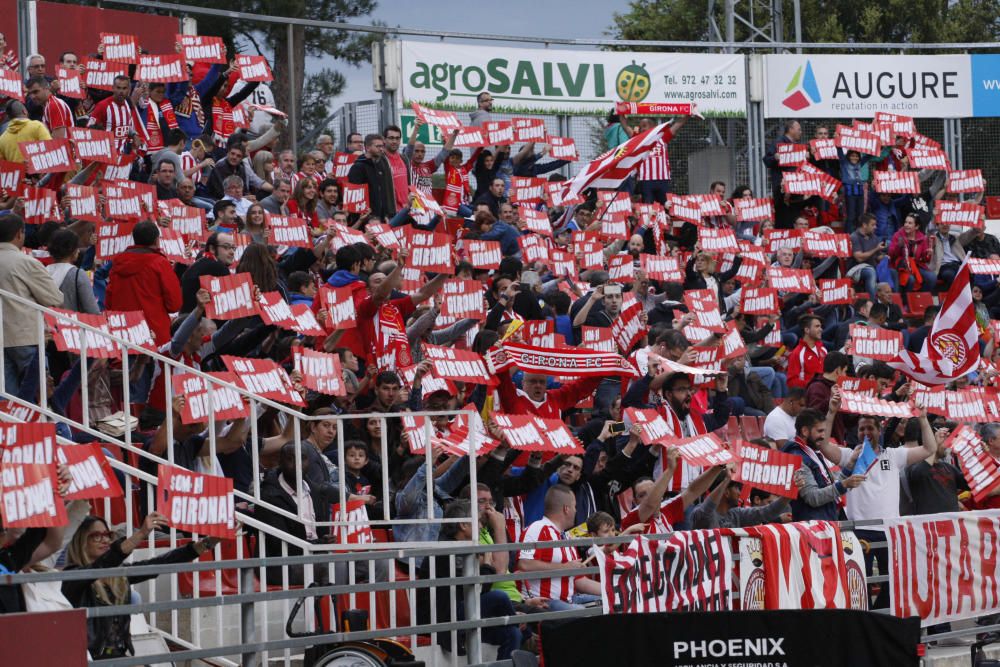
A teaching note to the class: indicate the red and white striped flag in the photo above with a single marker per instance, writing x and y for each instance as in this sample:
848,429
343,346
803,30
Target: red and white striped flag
610,169
951,350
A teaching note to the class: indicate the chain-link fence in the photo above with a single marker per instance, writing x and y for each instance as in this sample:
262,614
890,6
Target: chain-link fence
980,139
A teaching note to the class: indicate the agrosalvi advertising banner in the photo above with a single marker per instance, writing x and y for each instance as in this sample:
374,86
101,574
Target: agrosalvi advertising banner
544,81
841,86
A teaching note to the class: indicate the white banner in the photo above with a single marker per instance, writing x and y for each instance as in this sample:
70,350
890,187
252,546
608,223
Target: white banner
944,566
541,81
841,86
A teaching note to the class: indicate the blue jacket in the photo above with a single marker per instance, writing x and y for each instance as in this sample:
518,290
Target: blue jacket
341,278
889,217
176,92
508,237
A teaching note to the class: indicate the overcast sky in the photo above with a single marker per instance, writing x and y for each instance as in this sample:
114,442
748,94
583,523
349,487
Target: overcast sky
529,18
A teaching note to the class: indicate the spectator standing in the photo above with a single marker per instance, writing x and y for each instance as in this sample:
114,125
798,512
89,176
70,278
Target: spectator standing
806,360
24,276
947,254
118,114
20,130
399,165
56,114
371,169
215,260
483,114
654,171
780,422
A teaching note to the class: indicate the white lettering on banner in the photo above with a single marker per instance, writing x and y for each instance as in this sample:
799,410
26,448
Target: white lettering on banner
223,398
86,475
232,299
522,435
431,255
484,256
984,266
21,503
202,510
252,70
757,209
837,292
343,311
290,234
730,648
113,245
83,206
354,196
41,160
119,52
944,566
11,86
279,311
130,207
968,180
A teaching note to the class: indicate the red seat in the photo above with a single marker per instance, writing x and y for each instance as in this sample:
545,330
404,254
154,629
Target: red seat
229,578
752,427
917,304
733,429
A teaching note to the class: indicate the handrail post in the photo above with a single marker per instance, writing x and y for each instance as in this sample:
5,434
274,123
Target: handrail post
248,620
473,645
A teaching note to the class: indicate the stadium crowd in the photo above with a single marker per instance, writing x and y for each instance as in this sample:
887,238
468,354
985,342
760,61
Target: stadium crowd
782,390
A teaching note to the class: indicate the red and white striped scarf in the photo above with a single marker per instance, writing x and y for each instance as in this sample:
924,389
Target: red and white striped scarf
165,109
684,473
223,124
191,106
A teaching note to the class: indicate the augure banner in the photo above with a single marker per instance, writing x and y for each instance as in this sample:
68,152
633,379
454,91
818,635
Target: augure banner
817,638
450,76
944,566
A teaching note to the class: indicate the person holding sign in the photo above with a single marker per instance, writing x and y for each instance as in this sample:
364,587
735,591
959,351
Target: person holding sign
661,515
721,508
94,547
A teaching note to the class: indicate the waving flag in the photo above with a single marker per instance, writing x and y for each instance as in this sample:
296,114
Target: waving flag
951,350
867,458
609,170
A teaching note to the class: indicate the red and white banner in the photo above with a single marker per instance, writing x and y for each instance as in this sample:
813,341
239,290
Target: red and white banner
980,469
342,164
304,320
119,48
94,145
355,525
232,296
824,149
791,280
704,305
49,156
943,566
803,565
965,214
11,84
254,68
471,137
172,245
971,405
874,342
535,221
782,238
202,48
664,269
836,291
759,301
718,240
767,469
863,404
274,310
225,404
610,169
12,178
484,254
569,362
801,183
28,443
457,365
928,158
40,205
754,210
897,182
70,337
689,570
354,197
432,252
462,299
446,121
289,230
83,203
820,244
562,148
320,371
849,139
70,83
966,181
133,327
533,434
166,68
792,155
529,130
526,190
113,239
263,377
90,472
703,450
655,429
101,74
597,338
196,503
29,496
499,132
628,328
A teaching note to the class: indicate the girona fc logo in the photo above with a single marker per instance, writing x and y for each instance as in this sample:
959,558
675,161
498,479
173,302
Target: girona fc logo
951,346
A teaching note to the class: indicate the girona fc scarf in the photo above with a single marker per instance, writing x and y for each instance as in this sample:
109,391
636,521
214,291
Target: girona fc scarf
569,362
166,110
223,124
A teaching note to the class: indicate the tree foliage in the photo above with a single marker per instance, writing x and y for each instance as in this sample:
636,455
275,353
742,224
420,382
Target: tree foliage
895,22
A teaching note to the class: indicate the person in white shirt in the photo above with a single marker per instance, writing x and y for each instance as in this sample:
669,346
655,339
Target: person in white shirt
878,496
780,422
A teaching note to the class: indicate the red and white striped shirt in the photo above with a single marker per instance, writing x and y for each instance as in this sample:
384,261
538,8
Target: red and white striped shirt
298,176
117,119
554,588
656,166
57,114
188,161
671,512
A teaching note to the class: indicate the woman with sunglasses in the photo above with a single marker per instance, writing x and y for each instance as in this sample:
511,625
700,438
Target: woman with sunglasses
93,546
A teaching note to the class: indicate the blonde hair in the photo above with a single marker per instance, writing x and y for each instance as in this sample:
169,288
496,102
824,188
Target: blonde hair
110,590
259,160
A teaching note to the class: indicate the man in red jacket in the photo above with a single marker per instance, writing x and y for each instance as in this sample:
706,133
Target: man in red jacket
143,279
806,360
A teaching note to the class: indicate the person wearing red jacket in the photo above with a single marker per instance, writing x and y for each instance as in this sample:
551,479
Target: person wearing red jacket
142,278
806,360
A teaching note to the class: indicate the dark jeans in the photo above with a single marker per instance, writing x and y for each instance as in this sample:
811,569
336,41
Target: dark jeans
881,554
855,205
492,604
947,273
655,191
